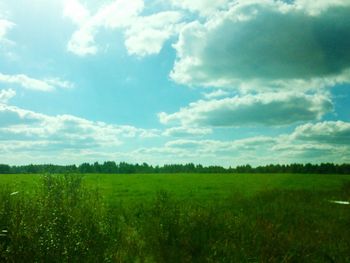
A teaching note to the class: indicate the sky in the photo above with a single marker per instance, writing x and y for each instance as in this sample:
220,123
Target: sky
220,82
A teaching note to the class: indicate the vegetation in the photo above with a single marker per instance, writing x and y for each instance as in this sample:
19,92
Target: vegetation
136,188
126,168
64,219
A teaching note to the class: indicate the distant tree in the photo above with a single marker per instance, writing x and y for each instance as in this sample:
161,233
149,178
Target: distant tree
5,169
126,168
109,167
85,168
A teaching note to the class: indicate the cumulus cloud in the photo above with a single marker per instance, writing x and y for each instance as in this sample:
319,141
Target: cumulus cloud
262,109
61,132
216,94
203,145
266,43
317,7
31,137
238,147
318,142
185,151
6,95
25,132
5,26
256,150
328,132
144,35
326,141
203,7
76,11
186,131
82,42
59,83
116,14
215,146
278,55
35,84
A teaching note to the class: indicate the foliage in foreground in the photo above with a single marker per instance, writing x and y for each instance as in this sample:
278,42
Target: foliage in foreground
64,222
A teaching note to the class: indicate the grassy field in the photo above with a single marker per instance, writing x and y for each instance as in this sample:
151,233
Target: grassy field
174,218
134,188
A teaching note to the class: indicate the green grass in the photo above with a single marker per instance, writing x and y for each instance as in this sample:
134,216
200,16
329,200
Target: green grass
174,218
134,188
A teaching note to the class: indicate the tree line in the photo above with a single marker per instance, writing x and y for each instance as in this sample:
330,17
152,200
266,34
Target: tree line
112,167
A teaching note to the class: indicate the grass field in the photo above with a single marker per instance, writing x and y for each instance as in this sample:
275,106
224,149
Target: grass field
174,218
200,187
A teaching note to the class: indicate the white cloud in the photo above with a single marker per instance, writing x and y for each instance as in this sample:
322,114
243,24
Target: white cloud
26,134
319,142
76,11
221,148
261,109
117,14
257,45
146,35
202,145
6,95
255,150
62,132
327,141
186,131
56,82
35,84
203,7
5,26
328,132
317,7
82,42
216,94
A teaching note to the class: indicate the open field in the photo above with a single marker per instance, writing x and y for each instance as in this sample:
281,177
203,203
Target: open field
201,187
174,218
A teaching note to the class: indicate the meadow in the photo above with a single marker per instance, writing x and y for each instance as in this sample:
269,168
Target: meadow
174,218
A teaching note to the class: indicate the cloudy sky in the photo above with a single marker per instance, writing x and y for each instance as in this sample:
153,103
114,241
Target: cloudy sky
220,82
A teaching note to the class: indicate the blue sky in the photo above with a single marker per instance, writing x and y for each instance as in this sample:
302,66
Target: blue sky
214,82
